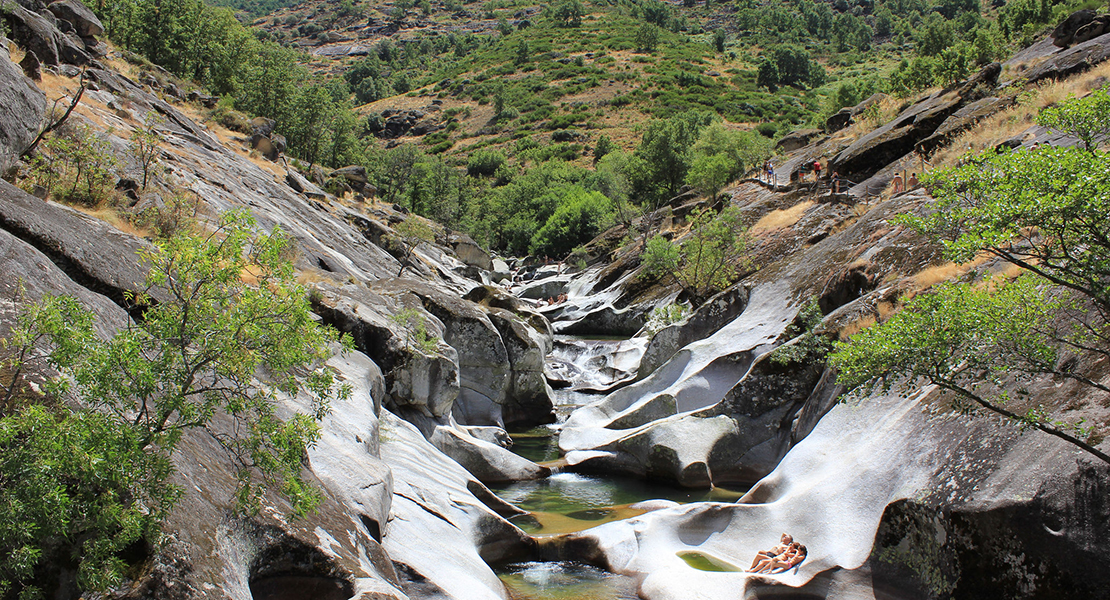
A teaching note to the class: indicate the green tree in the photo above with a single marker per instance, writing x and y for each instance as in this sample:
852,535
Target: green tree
1086,118
75,166
970,340
1046,211
935,36
710,173
665,154
568,13
578,219
708,258
647,38
768,74
145,147
81,485
407,237
604,146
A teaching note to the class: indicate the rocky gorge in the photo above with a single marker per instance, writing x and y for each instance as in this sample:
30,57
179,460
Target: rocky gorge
895,495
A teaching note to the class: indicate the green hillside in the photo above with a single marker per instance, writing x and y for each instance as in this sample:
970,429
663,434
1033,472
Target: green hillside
518,103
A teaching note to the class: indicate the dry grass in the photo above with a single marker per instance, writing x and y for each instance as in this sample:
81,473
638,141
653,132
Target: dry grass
855,327
889,108
782,218
1009,123
112,217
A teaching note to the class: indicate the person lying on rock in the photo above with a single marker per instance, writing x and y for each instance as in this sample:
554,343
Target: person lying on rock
783,562
762,555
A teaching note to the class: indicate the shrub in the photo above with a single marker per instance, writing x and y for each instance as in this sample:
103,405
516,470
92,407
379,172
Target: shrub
484,163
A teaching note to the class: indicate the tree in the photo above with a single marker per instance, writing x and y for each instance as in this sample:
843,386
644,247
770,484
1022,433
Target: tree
1086,118
707,259
408,235
523,53
80,485
710,173
768,74
665,152
647,38
1046,211
578,219
604,146
146,146
568,13
969,340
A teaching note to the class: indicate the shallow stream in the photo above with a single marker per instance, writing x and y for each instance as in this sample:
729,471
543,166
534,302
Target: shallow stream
568,502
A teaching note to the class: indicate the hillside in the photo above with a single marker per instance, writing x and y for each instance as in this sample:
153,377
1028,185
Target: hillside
518,95
217,439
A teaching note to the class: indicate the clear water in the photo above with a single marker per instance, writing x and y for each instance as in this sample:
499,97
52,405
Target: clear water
565,581
569,502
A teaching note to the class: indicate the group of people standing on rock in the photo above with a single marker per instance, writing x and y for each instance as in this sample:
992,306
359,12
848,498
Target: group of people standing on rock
900,186
780,559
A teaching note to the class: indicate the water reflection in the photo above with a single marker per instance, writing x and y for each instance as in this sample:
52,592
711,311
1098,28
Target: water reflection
565,581
568,502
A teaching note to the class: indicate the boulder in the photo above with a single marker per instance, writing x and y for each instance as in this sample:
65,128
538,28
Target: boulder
422,384
844,117
33,32
278,142
303,186
265,147
446,528
797,139
1098,26
925,502
704,322
487,462
31,66
961,121
470,252
353,173
878,148
22,106
80,16
528,397
1064,34
93,253
71,50
1078,58
262,126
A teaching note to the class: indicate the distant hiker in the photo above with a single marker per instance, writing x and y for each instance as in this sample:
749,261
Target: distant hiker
897,181
816,170
912,183
836,182
771,175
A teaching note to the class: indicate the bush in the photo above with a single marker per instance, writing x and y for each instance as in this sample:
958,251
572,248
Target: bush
484,163
75,166
577,220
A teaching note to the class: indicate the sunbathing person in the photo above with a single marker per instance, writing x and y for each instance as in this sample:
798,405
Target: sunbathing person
786,561
762,563
775,551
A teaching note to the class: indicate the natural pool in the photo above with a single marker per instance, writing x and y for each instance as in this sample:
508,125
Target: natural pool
567,502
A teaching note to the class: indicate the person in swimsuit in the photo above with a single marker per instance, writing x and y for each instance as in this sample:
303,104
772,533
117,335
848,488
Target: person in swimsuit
787,561
784,544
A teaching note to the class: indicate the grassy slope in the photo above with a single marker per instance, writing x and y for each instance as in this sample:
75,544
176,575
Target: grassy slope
614,91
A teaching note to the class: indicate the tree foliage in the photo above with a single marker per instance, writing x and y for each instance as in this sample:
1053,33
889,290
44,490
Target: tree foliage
976,341
82,484
707,260
1046,211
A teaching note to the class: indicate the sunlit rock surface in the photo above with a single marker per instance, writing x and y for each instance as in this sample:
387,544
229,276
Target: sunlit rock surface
899,467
